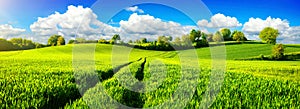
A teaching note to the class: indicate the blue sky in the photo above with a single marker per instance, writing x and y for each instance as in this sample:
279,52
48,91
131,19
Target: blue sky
23,13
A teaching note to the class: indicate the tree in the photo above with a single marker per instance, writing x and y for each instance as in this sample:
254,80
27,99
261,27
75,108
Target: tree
6,45
186,40
177,41
203,42
102,41
72,41
195,35
61,41
130,41
269,35
238,36
226,34
115,39
163,40
56,40
209,37
143,40
23,44
217,37
278,51
169,38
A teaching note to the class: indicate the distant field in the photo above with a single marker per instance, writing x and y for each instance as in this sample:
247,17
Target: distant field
44,78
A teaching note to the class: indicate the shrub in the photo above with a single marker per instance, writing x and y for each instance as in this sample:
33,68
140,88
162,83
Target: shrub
278,51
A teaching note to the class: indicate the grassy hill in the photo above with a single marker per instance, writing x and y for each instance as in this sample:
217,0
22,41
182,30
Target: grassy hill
44,78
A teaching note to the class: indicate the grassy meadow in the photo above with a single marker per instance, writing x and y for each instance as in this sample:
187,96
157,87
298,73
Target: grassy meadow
45,78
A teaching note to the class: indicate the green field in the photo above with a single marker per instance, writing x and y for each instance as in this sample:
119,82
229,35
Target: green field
45,78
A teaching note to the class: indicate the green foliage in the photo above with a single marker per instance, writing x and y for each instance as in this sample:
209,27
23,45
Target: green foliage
72,41
6,45
186,41
210,37
144,40
115,39
177,41
238,36
217,37
56,40
195,35
18,44
269,35
226,33
278,51
61,41
103,41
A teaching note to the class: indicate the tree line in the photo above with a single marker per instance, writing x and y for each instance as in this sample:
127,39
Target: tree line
18,44
195,38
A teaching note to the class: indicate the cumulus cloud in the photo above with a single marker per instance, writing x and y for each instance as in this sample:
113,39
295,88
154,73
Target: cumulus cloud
8,31
220,21
151,27
290,35
78,21
255,25
134,9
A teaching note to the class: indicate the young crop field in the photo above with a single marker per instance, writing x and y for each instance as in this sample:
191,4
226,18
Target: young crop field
46,78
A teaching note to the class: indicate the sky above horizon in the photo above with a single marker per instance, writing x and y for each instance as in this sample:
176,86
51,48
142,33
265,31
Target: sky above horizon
92,19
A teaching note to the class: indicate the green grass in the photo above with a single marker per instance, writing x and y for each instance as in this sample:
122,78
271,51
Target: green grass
44,77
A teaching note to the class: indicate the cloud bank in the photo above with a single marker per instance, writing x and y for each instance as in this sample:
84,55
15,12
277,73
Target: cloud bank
77,21
90,27
148,26
8,31
220,21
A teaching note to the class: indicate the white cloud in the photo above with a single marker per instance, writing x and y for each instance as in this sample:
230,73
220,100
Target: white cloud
8,31
90,27
134,9
148,26
290,35
220,21
67,24
255,25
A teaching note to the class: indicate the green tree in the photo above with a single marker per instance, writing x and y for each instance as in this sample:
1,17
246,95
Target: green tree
209,37
115,39
195,35
72,41
238,36
23,43
102,41
17,41
278,51
226,33
61,41
177,41
6,45
169,38
143,40
217,37
56,40
186,41
269,35
163,40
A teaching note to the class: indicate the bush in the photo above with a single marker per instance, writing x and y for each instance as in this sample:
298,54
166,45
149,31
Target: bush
278,52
